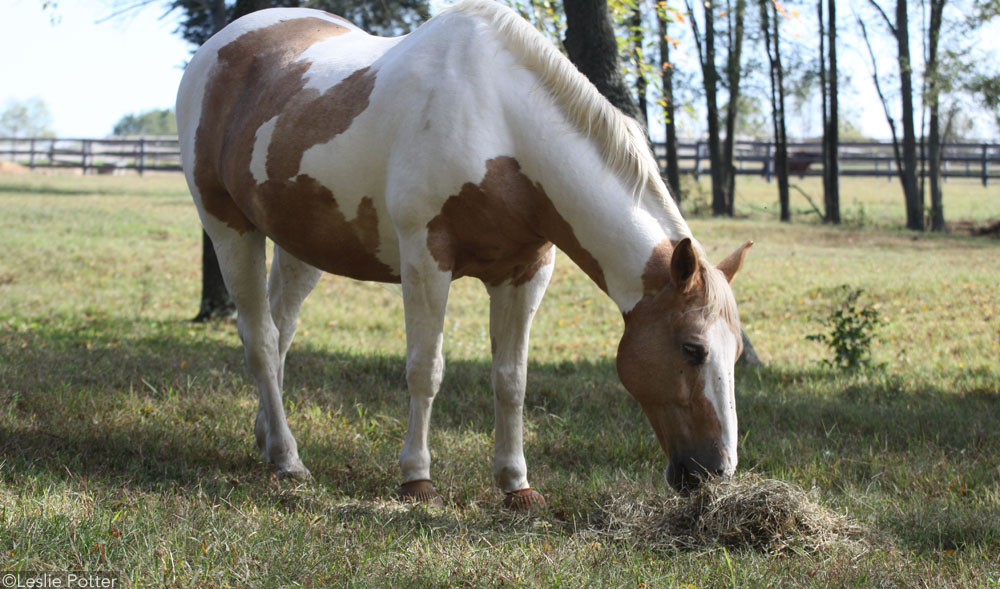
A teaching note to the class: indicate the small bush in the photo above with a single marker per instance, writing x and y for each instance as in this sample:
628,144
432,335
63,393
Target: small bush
851,330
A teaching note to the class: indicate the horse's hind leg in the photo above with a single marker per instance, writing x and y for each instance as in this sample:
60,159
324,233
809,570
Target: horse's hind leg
291,282
244,268
511,311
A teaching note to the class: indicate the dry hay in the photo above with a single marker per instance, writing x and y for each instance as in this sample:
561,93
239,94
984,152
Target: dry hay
12,168
743,512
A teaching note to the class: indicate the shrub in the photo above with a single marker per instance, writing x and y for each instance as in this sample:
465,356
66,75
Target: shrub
851,329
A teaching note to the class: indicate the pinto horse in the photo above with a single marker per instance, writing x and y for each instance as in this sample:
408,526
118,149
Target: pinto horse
470,147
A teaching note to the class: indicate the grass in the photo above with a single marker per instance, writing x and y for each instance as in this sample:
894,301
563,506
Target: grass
126,431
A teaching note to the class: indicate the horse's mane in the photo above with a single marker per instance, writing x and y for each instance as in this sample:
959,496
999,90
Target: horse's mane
620,138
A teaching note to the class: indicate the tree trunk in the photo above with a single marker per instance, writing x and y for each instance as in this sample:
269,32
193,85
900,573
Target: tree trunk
710,77
832,134
673,171
590,44
770,24
733,75
934,133
912,196
215,300
639,62
824,94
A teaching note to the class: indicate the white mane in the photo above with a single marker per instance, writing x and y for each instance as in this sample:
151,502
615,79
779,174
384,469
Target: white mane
620,138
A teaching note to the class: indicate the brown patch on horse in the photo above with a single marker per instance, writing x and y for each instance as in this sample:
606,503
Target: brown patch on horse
255,77
311,226
503,229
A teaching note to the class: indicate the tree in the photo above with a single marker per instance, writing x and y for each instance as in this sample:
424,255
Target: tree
932,97
668,102
770,25
734,74
153,122
906,154
705,44
831,119
25,118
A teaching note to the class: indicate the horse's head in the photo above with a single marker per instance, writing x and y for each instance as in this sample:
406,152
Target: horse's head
676,358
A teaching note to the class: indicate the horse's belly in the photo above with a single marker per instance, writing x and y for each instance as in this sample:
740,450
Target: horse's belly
338,236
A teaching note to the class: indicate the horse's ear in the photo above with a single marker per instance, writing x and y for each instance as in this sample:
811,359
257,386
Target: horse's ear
732,264
684,266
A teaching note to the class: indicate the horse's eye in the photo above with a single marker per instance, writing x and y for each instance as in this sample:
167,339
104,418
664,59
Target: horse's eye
695,353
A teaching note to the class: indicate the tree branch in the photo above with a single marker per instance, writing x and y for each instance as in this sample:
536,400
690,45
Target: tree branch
885,17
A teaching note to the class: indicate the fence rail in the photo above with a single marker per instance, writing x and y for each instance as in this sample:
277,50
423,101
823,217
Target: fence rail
100,156
115,155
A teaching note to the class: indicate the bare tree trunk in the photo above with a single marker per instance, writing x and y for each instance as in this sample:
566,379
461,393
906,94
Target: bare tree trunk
832,134
710,76
933,98
639,62
770,24
914,200
667,75
733,75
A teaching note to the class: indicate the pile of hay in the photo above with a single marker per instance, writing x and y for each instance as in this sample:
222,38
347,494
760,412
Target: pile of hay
742,512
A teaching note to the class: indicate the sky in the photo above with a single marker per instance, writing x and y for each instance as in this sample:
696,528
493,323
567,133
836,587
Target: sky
91,73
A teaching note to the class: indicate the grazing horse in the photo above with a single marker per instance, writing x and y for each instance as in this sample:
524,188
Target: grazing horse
469,147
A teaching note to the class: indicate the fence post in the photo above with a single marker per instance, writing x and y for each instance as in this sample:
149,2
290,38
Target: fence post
985,167
31,156
85,150
697,161
142,154
768,163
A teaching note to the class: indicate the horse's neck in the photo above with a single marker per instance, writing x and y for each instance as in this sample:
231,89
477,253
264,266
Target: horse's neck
612,237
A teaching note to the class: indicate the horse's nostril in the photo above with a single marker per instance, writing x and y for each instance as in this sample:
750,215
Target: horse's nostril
687,474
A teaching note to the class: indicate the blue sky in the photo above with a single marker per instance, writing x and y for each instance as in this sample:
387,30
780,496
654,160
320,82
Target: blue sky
90,74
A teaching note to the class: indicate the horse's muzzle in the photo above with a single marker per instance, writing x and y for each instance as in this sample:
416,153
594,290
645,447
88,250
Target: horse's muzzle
686,473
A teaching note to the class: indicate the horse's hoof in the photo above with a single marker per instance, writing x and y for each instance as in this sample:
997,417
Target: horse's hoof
294,470
524,499
420,491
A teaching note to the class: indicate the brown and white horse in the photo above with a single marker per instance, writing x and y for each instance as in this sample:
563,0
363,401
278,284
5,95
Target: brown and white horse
467,148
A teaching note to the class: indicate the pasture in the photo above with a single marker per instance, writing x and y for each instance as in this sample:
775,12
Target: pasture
126,431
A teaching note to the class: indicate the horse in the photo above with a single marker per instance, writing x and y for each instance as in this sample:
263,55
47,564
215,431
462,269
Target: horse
469,147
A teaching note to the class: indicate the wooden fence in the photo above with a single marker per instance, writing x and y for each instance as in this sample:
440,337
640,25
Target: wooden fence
117,154
99,156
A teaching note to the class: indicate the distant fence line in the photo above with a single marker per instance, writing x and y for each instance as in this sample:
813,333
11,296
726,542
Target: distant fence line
117,154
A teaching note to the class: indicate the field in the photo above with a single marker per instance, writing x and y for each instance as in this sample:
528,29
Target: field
126,438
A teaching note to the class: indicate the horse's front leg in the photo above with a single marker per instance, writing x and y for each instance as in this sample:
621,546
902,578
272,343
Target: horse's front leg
425,297
511,311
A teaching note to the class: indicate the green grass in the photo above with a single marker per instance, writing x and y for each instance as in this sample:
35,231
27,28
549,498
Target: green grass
126,431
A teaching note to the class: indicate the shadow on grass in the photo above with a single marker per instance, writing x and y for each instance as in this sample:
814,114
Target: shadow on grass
145,405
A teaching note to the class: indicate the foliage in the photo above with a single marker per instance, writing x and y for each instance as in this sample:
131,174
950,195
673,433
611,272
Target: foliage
153,122
26,118
851,323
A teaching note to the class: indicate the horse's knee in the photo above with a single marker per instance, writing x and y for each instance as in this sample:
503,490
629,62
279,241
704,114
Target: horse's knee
261,345
424,375
508,385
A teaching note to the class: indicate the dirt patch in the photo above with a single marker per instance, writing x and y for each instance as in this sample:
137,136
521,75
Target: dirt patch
989,228
12,168
743,512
